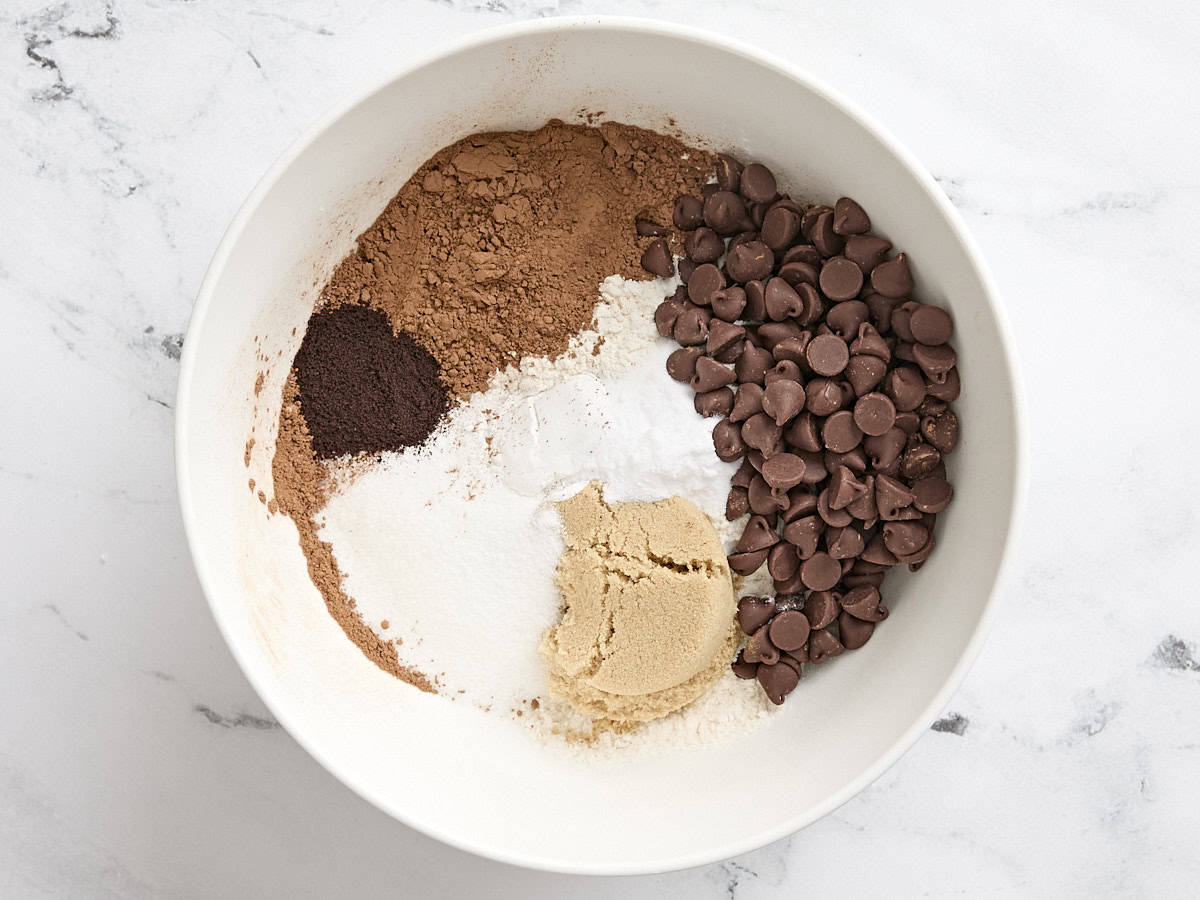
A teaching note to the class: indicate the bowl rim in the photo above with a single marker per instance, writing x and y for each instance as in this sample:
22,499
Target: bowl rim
703,37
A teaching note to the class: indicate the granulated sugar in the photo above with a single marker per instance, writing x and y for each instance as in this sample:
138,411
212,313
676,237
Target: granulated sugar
455,543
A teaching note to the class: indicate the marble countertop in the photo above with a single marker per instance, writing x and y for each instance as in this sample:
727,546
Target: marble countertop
135,760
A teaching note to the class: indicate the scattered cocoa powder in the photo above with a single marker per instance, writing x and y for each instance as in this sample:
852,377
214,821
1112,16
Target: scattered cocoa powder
494,249
302,488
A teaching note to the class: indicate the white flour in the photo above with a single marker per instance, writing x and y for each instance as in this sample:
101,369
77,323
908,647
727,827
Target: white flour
455,544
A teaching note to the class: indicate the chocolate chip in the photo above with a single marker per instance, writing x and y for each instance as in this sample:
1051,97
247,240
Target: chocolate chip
657,259
846,318
681,364
864,603
948,390
754,363
666,314
885,449
891,497
759,648
754,612
864,373
780,226
868,342
782,301
854,632
919,461
874,413
747,401
727,441
932,495
758,535
941,431
649,228
783,562
728,303
749,261
737,504
792,348
783,400
804,253
892,278
844,543
902,320
844,488
820,572
756,304
841,279
783,471
747,563
931,325
725,339
703,246
822,645
729,172
765,500
743,669
803,433
834,518
905,386
804,534
688,213
824,238
778,680
840,433
876,552
758,183
705,281
784,370
823,396
717,402
908,422
827,355
814,467
798,273
691,328
725,213
936,362
866,250
863,508
801,503
849,217
904,538
809,218
789,630
686,268
761,432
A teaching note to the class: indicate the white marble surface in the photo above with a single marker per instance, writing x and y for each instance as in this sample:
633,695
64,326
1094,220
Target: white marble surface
136,761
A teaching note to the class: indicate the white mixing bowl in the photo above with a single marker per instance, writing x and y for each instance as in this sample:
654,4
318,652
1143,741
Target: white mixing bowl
479,781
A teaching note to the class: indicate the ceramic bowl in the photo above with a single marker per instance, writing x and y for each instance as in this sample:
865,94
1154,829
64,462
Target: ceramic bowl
479,781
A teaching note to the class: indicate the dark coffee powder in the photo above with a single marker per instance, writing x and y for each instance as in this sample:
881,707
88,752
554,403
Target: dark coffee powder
364,388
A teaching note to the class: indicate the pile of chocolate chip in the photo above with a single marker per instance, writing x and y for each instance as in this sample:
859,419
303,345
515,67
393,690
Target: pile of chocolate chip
797,327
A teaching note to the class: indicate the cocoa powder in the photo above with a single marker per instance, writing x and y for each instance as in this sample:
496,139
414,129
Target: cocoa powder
494,249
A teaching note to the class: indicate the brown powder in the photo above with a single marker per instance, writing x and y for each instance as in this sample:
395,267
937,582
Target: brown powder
301,490
494,249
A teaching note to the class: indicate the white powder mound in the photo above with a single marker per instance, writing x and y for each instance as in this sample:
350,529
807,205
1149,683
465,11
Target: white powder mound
455,544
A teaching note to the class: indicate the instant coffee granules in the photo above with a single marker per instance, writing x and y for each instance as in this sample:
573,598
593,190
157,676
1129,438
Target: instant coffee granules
362,387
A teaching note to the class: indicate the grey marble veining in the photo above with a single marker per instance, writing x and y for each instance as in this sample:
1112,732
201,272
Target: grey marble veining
136,761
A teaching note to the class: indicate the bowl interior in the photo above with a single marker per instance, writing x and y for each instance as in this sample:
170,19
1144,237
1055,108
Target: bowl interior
480,781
